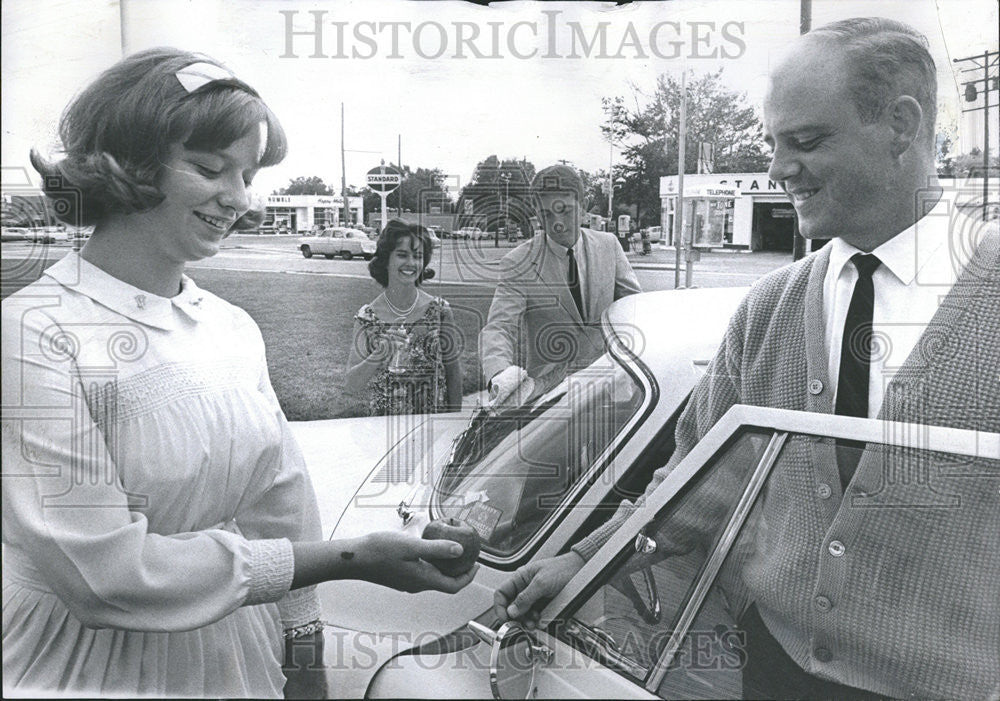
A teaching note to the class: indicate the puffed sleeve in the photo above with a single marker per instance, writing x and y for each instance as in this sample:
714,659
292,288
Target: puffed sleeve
287,509
68,518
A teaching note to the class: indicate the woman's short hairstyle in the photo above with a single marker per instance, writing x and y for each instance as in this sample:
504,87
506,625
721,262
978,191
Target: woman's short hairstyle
887,58
387,242
117,133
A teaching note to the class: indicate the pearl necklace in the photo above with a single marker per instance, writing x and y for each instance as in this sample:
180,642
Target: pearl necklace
401,313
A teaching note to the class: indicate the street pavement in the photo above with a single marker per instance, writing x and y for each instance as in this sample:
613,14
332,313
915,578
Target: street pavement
478,262
455,262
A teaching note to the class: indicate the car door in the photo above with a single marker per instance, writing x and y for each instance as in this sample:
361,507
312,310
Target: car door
655,612
320,242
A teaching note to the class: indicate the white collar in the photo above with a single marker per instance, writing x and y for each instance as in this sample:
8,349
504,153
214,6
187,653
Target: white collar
76,274
559,249
910,251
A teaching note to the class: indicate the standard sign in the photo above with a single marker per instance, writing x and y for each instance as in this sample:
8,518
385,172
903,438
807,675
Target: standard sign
384,179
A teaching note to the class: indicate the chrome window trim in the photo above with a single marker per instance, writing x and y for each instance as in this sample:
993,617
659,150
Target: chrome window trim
908,435
647,384
718,556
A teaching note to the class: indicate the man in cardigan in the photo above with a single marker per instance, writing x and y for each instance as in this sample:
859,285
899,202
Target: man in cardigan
544,321
858,601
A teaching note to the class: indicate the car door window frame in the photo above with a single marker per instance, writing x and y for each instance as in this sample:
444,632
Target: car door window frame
782,423
620,351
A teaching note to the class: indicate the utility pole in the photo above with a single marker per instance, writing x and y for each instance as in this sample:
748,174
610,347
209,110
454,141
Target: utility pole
985,63
679,242
611,184
123,26
798,241
343,168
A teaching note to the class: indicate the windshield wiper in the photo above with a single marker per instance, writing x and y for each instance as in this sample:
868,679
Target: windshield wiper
486,430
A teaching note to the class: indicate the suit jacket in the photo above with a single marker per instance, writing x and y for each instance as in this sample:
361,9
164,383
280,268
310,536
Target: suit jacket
533,321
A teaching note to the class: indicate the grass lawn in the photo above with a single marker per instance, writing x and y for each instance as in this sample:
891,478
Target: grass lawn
306,321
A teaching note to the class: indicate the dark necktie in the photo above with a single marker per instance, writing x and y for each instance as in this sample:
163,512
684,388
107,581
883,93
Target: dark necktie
574,282
855,359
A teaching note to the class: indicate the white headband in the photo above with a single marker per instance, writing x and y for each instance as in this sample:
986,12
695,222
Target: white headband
198,74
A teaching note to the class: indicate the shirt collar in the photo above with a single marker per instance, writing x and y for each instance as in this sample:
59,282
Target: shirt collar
907,252
561,250
76,274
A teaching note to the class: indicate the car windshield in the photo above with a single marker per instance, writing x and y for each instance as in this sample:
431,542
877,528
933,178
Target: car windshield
511,469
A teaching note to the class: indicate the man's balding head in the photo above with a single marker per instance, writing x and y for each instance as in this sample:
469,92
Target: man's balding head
885,58
852,140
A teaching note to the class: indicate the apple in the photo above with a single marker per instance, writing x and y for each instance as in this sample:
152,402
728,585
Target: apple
463,534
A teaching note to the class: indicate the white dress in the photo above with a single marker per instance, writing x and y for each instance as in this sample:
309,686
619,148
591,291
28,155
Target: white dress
151,492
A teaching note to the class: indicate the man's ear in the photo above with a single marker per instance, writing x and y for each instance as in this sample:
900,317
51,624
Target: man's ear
904,117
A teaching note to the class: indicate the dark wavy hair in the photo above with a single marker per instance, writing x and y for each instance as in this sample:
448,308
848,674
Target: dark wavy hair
117,133
395,230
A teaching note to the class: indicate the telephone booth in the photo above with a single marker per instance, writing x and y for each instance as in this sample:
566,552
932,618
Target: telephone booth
708,215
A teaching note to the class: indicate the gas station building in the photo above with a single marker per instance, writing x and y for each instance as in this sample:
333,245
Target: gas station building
296,213
755,216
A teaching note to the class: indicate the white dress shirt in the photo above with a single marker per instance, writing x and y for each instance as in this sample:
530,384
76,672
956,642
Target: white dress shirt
580,254
919,267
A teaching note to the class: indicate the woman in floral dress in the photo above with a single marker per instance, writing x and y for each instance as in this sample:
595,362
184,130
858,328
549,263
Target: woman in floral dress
405,351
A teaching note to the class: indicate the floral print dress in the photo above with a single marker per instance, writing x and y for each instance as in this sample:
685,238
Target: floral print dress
419,387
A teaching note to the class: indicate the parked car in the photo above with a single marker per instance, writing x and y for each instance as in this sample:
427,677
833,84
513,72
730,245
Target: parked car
338,241
46,234
655,233
642,618
15,233
471,232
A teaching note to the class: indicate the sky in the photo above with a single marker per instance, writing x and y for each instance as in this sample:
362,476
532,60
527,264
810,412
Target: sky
457,83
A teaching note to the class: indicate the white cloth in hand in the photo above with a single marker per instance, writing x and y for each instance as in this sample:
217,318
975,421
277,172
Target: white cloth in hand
512,382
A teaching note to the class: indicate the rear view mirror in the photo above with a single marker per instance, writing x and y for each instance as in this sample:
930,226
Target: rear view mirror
514,656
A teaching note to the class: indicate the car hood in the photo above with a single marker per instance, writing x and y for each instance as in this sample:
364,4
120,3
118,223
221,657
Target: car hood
392,445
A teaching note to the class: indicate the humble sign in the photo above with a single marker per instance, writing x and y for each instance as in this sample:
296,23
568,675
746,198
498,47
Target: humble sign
384,179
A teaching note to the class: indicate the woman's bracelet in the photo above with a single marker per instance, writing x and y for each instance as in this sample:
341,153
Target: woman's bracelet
304,630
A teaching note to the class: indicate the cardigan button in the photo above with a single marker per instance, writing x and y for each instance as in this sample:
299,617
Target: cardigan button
836,548
823,490
823,604
815,386
823,654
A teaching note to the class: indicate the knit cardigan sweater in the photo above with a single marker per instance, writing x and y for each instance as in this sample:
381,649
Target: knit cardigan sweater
912,605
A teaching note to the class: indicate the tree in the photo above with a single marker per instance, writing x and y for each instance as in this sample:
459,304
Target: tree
945,157
313,185
371,200
498,191
648,130
419,190
966,165
595,188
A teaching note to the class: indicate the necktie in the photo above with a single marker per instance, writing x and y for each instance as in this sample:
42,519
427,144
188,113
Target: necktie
574,282
855,359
